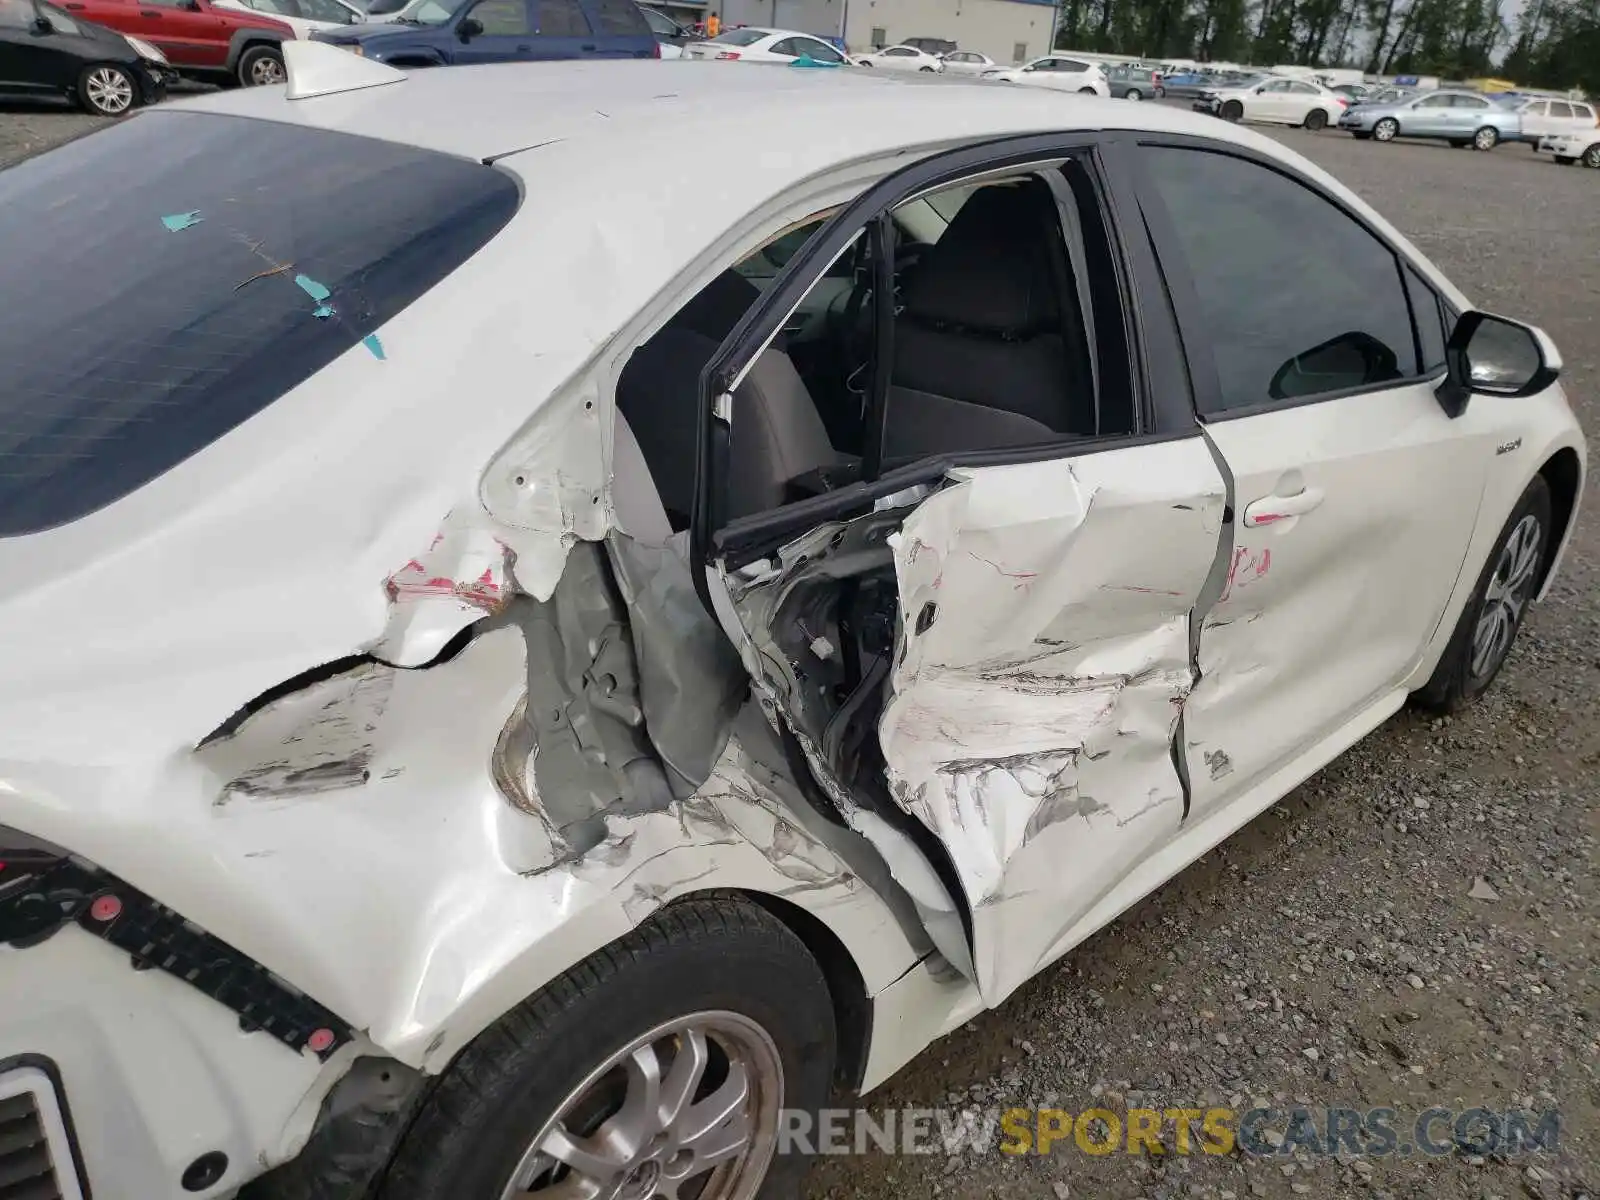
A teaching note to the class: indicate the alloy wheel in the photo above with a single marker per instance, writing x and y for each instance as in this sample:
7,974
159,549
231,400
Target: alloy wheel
1385,130
109,91
1591,156
688,1111
1485,138
1506,596
266,70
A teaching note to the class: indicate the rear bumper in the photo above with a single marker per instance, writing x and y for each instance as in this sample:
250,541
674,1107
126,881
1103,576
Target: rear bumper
149,1074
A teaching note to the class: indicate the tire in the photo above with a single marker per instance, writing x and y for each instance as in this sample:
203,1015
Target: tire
1386,130
866,64
1316,120
107,90
1591,157
705,959
1231,111
1486,138
1482,640
1133,94
1566,160
262,65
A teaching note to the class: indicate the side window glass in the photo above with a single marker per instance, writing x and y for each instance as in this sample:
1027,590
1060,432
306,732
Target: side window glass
1583,112
1434,102
621,18
1471,102
1558,109
1429,317
1298,298
787,48
820,51
559,18
502,18
326,10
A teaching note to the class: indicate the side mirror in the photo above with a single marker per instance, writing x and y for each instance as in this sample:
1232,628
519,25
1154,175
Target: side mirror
41,24
1495,356
469,28
1261,89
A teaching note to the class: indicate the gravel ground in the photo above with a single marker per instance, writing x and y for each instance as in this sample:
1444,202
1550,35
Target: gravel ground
1332,953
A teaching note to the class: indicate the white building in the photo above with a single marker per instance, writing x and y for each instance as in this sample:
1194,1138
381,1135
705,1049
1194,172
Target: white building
1008,31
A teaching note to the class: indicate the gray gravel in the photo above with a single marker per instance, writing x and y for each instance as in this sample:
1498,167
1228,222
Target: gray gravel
1334,952
1331,953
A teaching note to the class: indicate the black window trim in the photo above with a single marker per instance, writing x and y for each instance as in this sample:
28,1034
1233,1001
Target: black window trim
747,538
1173,264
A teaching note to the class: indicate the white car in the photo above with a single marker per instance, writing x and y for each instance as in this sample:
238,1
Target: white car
901,58
497,719
749,44
1570,148
1280,101
1548,118
967,62
305,17
1058,72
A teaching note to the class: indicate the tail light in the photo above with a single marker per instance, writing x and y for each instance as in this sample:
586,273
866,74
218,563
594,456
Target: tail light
655,50
727,55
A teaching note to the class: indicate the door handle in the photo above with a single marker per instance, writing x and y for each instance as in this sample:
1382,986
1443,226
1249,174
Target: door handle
1271,509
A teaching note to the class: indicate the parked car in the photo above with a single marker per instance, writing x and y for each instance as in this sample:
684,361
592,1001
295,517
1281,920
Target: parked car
901,58
467,32
968,62
1570,147
584,779
750,44
1135,83
938,47
1385,95
671,36
1459,117
1282,101
1185,85
1541,118
46,52
1057,72
305,17
1354,91
199,38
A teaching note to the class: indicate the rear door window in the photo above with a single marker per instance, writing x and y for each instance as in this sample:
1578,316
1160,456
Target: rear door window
233,260
621,18
560,18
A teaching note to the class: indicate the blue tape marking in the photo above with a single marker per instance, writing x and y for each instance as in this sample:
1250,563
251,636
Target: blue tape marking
177,222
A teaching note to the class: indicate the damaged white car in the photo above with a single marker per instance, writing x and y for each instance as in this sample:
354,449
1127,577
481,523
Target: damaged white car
529,654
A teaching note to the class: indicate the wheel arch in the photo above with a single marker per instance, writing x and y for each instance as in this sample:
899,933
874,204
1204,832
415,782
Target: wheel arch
1563,472
852,1006
248,38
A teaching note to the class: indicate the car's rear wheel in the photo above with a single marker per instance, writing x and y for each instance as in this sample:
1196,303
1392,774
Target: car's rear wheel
107,90
1133,94
1316,120
1490,621
1591,156
657,1067
261,65
1486,138
1386,130
1231,111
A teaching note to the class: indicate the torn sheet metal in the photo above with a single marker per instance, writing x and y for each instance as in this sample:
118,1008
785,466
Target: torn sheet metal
463,576
1044,664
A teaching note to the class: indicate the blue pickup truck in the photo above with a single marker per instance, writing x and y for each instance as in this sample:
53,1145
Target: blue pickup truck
438,33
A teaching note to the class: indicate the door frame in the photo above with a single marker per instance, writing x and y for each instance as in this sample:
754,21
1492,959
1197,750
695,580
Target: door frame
1163,406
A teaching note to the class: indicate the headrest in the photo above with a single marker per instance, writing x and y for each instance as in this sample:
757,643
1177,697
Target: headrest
988,272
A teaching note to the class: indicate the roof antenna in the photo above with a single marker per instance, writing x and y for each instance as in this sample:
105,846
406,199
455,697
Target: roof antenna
323,69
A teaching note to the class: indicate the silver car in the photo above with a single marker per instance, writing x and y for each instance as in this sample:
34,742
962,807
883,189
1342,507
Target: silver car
1460,118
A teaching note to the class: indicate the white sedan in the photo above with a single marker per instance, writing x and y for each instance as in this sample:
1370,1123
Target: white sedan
722,663
1280,101
751,44
1057,72
901,58
305,17
968,62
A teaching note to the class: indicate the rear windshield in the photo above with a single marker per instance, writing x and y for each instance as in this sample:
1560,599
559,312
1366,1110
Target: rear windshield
174,274
740,37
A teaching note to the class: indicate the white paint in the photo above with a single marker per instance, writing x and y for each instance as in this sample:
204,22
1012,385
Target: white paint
1031,724
1056,73
321,69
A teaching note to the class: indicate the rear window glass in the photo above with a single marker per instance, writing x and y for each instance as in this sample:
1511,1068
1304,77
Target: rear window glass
621,18
233,259
740,37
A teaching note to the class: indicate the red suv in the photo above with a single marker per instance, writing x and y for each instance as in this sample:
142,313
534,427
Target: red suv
199,39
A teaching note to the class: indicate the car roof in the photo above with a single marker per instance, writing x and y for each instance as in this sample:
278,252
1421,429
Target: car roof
591,109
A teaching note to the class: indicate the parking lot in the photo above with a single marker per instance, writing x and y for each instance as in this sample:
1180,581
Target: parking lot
1330,953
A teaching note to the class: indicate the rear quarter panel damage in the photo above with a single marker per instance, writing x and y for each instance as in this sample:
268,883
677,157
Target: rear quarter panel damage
1046,660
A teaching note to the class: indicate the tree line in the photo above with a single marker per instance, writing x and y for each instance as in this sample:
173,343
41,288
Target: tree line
1550,43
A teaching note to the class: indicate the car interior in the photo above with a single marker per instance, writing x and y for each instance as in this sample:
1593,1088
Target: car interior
1009,331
